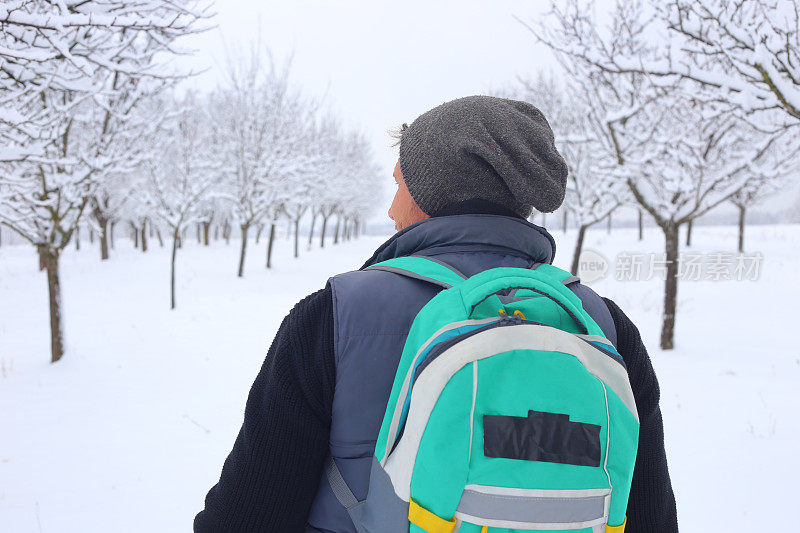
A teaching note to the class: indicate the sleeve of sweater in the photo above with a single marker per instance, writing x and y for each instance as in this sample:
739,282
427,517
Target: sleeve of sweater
271,475
651,506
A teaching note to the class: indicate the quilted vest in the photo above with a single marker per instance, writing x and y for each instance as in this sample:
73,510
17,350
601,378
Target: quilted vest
372,313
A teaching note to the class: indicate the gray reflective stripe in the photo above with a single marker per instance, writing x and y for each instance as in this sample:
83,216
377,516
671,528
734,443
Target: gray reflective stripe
410,274
608,433
571,279
439,261
533,509
338,484
538,493
535,266
401,399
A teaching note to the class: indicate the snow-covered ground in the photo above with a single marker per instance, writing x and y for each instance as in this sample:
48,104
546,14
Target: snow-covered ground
130,429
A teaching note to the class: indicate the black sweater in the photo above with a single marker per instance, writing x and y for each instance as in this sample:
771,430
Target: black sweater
271,476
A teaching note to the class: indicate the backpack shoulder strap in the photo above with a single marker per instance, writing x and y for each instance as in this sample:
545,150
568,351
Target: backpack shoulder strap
422,268
553,272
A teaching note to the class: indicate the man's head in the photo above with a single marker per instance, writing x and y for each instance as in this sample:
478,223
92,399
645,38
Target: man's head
478,147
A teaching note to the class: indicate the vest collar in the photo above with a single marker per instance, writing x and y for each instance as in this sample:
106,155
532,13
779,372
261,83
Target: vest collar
506,234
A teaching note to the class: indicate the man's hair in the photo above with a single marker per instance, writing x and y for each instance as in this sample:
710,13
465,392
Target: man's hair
397,134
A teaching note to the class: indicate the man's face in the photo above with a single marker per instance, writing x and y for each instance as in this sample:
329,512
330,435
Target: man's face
404,210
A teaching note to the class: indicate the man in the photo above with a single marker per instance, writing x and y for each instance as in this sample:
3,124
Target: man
469,174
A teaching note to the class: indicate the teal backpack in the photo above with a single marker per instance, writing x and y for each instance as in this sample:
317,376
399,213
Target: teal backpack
510,411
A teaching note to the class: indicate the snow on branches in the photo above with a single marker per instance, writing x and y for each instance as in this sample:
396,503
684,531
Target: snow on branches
72,74
748,49
681,148
679,155
86,49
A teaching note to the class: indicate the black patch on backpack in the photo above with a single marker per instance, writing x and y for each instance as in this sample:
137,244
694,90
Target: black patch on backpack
541,436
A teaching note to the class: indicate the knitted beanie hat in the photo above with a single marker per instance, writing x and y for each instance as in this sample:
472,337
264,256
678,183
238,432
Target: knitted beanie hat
483,147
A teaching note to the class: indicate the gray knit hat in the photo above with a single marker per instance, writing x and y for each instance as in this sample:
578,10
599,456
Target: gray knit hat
483,147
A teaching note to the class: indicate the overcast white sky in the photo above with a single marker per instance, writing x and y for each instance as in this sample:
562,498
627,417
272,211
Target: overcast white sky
380,63
377,63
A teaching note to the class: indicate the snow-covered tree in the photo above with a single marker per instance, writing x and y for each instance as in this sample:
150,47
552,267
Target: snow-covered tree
364,191
182,173
752,192
62,65
678,155
263,125
117,130
331,169
109,199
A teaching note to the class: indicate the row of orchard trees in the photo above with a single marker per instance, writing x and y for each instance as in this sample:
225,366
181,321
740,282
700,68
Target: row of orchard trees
92,133
72,78
674,107
251,153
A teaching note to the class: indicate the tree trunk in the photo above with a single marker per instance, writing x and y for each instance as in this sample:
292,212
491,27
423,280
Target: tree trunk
296,237
311,231
641,225
609,224
322,234
742,210
91,235
336,230
269,244
288,228
199,231
135,232
216,232
54,290
576,255
259,231
160,238
77,237
226,232
111,233
143,235
104,233
206,227
244,228
670,287
564,221
175,240
689,233
40,251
